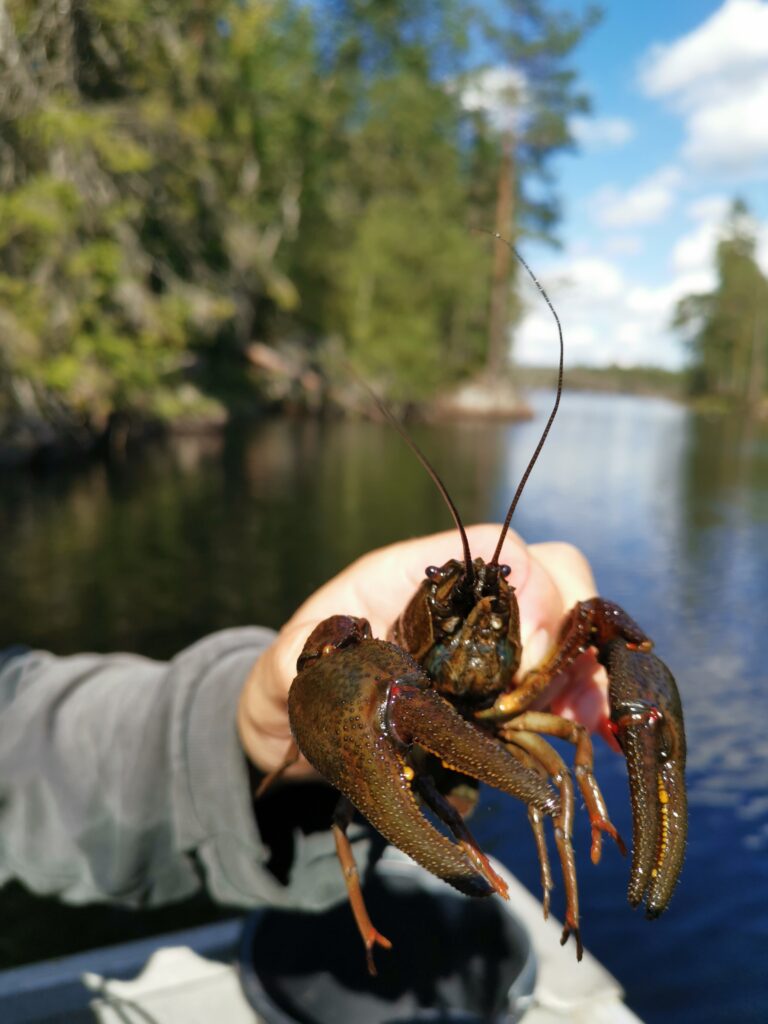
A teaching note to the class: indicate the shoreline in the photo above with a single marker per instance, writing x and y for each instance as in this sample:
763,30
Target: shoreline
39,445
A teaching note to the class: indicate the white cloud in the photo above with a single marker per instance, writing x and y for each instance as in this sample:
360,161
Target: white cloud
717,77
623,245
536,343
644,203
731,135
601,278
500,92
731,44
602,132
630,334
712,207
660,300
694,252
606,317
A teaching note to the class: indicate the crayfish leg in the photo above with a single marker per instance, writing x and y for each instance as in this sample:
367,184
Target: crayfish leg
370,936
538,750
291,757
536,820
583,763
448,814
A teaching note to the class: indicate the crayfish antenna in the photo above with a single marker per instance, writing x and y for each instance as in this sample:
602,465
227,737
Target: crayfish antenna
543,438
469,568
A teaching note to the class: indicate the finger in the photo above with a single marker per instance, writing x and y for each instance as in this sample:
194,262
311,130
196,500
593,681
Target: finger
541,603
582,694
569,568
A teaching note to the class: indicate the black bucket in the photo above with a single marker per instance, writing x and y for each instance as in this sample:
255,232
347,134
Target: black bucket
454,958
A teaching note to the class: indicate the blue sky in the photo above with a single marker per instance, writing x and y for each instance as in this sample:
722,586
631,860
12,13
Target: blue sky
679,128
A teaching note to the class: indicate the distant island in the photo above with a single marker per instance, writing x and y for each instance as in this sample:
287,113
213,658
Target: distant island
625,380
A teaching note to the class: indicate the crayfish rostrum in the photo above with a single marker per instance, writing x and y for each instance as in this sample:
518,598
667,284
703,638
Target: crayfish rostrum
419,718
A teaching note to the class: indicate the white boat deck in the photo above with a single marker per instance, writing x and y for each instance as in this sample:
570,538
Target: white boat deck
189,978
567,992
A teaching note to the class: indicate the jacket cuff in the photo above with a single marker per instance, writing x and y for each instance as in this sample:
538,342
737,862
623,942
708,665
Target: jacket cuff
213,798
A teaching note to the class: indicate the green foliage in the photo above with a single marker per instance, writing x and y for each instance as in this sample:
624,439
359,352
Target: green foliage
533,41
728,327
407,327
182,179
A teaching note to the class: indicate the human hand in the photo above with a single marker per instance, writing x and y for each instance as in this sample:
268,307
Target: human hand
548,579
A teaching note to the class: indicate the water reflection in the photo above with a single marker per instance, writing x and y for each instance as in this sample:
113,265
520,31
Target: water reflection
202,533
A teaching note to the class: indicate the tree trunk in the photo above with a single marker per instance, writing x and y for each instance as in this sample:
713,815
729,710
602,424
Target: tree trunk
498,320
756,367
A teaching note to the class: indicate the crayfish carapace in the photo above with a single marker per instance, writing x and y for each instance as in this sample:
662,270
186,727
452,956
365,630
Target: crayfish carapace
419,718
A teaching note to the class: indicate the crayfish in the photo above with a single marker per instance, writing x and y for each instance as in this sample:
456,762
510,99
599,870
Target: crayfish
418,718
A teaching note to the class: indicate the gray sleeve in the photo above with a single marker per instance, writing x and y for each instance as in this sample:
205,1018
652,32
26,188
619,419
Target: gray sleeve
122,779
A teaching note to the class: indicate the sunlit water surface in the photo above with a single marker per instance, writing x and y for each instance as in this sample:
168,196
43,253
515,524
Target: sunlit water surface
672,510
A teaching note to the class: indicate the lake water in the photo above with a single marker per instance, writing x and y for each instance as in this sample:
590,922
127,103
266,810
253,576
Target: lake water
672,510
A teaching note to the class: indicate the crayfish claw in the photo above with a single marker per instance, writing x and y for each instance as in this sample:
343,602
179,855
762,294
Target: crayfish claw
422,716
448,814
647,718
359,751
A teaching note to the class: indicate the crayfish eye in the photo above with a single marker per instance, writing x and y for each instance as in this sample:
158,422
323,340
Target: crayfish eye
504,570
433,573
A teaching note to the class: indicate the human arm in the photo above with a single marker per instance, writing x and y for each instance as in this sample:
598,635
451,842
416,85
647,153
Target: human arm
122,779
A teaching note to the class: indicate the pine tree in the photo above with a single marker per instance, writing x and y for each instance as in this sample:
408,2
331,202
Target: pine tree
536,96
182,179
728,327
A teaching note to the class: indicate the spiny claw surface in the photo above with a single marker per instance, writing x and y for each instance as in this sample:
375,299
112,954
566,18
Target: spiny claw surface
647,717
355,714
